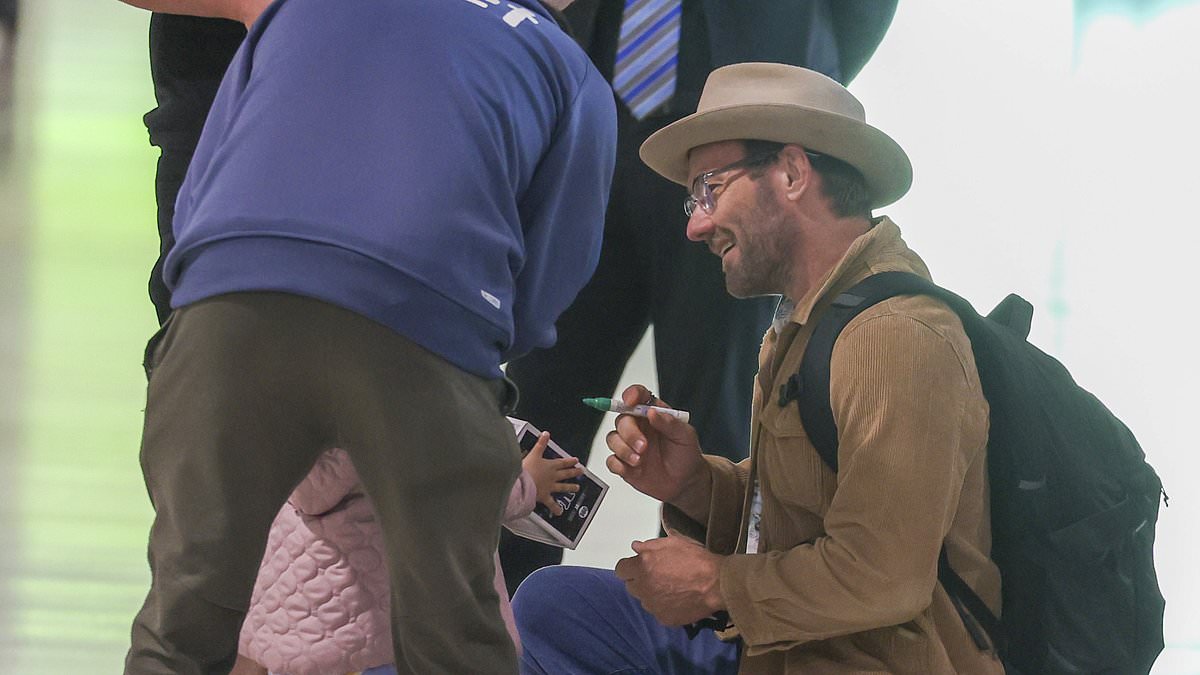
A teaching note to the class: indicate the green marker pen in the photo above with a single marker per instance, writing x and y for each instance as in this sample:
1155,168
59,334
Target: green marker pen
615,405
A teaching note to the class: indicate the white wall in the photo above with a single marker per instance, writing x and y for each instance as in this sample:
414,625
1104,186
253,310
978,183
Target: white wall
1067,172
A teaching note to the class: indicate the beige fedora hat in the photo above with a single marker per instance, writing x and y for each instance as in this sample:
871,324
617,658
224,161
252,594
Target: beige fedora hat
785,104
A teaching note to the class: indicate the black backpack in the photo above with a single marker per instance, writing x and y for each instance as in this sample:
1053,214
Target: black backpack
1073,503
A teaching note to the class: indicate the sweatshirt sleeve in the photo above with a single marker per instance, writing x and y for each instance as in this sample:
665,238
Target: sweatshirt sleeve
562,214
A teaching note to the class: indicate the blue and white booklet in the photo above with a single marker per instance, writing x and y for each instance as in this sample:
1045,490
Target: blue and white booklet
579,508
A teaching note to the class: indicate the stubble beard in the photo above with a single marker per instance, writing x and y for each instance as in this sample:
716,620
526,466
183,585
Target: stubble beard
763,266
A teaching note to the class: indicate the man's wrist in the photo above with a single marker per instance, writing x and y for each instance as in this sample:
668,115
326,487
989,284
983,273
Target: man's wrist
713,596
694,494
714,602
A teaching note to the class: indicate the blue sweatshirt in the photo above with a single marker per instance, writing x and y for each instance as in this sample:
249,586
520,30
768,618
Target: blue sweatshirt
439,166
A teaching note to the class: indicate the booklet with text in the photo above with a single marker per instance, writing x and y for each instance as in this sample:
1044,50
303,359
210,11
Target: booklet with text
578,507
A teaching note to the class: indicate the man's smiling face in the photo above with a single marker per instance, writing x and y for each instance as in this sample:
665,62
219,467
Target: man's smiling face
747,228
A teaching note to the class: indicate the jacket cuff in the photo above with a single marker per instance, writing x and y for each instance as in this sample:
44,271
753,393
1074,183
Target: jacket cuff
712,515
742,611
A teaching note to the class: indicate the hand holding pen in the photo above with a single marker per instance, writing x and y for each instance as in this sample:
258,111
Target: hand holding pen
655,452
639,409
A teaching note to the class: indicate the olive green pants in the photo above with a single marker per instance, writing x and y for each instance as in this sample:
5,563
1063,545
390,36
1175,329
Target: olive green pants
246,390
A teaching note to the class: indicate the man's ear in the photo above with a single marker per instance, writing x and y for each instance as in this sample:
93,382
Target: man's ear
797,170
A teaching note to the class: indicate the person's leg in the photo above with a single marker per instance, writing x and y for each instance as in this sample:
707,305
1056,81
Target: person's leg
8,53
438,459
582,621
599,331
8,14
230,429
596,336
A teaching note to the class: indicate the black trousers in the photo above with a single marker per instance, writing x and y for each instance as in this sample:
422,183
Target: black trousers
706,342
8,13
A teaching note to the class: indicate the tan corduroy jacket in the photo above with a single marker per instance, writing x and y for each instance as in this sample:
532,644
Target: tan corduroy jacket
845,577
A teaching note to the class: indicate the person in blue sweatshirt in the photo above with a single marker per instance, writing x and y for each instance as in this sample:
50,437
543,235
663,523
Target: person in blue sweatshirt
390,198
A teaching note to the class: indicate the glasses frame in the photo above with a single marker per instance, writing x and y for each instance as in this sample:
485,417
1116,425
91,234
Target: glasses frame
706,198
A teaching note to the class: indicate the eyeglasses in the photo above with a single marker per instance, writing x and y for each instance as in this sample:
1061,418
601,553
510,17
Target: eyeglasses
703,194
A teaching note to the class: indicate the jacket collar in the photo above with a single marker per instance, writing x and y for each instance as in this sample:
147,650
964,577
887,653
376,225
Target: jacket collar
880,248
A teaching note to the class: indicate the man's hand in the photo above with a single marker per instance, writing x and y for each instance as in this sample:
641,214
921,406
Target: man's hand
676,579
658,455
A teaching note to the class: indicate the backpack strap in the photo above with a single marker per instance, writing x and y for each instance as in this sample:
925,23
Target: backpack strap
984,627
810,389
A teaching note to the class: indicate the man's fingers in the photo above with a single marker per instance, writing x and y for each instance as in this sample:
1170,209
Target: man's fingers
616,466
636,393
670,427
621,450
629,427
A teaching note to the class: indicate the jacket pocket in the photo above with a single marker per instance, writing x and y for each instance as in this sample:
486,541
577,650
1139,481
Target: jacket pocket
789,468
155,346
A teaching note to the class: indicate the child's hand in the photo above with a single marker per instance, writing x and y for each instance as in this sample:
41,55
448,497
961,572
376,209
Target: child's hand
549,474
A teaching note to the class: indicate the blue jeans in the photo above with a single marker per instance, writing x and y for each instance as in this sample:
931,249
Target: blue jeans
582,621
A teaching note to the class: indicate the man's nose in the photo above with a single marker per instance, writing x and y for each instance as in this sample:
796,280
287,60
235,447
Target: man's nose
699,225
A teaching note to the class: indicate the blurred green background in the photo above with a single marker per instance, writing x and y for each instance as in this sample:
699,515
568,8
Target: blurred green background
78,217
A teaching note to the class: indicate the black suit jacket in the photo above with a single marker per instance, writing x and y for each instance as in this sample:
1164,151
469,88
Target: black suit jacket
835,37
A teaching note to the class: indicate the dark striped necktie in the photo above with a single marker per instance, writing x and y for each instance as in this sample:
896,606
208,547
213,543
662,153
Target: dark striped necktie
647,53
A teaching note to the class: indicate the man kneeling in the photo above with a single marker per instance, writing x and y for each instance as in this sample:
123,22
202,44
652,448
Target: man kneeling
801,570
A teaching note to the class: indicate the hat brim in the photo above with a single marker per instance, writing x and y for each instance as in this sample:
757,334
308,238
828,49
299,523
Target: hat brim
882,162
